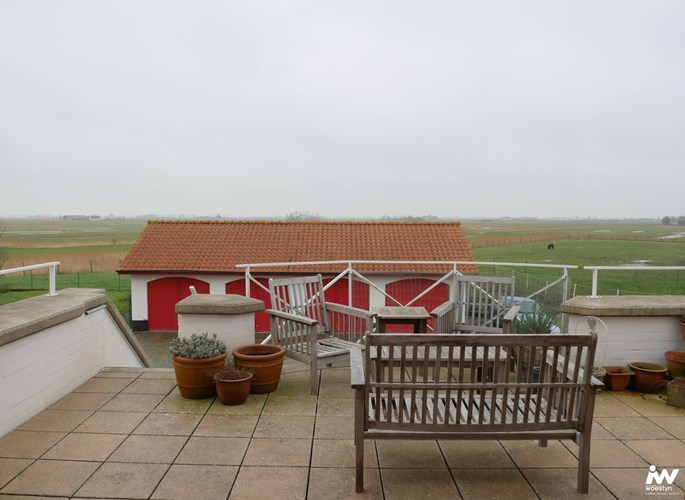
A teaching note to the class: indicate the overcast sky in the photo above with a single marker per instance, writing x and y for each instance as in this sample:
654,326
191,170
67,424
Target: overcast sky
345,109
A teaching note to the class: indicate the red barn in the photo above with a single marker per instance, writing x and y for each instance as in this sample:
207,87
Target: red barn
169,256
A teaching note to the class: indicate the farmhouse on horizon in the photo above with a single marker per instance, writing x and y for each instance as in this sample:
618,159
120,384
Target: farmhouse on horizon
170,256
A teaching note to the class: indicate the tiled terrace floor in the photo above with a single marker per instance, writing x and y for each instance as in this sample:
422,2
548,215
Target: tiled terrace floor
129,434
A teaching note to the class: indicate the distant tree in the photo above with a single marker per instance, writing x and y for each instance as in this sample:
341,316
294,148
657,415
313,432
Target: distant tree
666,221
302,216
681,220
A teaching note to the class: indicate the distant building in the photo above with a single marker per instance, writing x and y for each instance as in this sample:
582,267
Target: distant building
169,256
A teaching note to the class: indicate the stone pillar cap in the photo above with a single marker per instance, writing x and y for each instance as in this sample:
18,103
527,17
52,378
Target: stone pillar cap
204,303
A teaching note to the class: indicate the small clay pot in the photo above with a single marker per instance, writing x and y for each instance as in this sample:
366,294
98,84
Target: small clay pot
264,361
675,362
233,392
617,378
649,378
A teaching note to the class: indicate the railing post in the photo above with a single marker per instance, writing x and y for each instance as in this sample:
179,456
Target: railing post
349,284
53,280
594,295
247,281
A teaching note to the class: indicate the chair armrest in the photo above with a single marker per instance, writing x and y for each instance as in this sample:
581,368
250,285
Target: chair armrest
352,311
356,368
511,313
442,308
292,317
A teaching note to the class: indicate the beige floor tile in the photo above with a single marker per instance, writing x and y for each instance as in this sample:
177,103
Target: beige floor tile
562,484
292,389
650,405
660,453
115,480
529,455
102,384
633,428
331,427
85,447
279,452
610,454
133,402
194,481
114,373
56,420
149,449
627,483
599,432
112,422
335,407
339,483
418,483
341,453
612,407
28,444
484,483
227,426
213,451
253,406
335,376
159,374
304,405
296,374
673,425
51,477
150,386
169,424
10,467
337,391
175,403
273,483
82,401
410,455
289,427
475,455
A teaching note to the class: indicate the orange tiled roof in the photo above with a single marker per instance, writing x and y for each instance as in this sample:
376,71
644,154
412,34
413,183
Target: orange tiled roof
218,246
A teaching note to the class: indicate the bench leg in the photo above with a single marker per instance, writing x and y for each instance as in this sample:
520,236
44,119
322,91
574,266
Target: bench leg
583,462
542,443
359,439
313,378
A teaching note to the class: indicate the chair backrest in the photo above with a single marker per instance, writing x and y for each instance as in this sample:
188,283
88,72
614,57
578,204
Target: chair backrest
482,302
300,296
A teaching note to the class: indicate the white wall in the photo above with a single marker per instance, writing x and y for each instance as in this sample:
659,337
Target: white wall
38,370
644,338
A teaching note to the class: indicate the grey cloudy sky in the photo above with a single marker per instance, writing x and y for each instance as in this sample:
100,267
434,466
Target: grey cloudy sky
345,108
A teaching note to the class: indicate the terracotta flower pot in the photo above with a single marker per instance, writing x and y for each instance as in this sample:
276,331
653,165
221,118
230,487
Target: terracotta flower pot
675,362
649,377
233,392
195,377
264,361
617,378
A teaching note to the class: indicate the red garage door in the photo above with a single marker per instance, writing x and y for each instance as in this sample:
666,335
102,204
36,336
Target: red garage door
338,293
162,296
405,290
261,319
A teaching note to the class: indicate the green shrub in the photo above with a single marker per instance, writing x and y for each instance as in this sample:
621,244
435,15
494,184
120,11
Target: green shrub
539,321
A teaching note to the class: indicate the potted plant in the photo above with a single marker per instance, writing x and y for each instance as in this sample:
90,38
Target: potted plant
232,385
265,361
196,359
539,320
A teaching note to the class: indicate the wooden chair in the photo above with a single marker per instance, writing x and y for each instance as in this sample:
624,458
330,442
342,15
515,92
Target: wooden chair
482,304
311,330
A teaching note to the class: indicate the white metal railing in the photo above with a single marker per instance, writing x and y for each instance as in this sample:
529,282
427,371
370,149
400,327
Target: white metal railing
595,272
351,273
53,273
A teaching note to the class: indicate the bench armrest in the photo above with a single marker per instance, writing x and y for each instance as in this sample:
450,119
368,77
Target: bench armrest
292,317
511,313
442,309
351,311
356,368
596,384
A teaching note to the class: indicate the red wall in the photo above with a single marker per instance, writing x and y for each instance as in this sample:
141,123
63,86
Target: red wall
162,296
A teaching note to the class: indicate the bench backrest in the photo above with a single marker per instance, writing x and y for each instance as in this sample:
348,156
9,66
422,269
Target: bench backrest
300,296
481,303
430,382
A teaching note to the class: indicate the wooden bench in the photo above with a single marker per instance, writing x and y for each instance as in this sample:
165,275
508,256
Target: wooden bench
403,394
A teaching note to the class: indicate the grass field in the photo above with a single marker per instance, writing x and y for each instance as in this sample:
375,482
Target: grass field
90,251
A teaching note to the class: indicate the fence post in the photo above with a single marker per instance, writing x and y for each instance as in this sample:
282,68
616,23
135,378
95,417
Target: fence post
53,280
